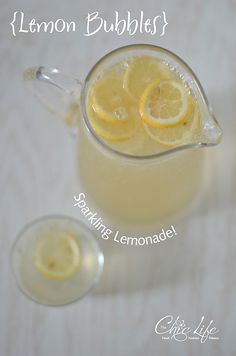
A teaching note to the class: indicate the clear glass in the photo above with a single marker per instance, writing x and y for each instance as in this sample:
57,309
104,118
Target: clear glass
56,292
134,190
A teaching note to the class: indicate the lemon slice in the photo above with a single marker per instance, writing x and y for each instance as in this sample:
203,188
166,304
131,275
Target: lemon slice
177,135
164,104
109,99
119,131
141,71
57,255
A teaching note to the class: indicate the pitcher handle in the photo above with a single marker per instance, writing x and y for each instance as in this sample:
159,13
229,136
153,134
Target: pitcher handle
57,92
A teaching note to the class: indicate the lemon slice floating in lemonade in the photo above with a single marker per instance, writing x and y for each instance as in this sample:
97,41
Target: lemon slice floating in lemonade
164,104
141,71
180,133
125,98
57,255
111,113
109,100
113,131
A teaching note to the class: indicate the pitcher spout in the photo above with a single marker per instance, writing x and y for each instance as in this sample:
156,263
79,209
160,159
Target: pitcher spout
211,130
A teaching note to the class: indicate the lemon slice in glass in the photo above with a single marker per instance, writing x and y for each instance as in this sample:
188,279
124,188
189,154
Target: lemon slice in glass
164,104
141,71
180,134
109,100
57,255
56,260
119,131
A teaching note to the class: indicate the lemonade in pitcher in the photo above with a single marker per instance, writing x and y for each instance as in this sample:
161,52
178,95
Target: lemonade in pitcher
140,107
142,117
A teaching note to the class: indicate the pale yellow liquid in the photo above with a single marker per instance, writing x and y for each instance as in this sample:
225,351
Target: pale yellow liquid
131,192
56,292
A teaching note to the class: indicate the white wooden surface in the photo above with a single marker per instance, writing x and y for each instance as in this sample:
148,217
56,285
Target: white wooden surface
191,276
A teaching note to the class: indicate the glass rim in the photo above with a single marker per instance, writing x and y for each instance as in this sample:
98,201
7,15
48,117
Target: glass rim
154,156
59,217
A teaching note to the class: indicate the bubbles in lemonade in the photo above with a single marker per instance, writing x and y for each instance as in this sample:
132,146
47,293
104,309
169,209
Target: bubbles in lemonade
140,106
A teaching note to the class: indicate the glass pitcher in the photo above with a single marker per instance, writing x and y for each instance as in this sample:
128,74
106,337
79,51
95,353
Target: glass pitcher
129,189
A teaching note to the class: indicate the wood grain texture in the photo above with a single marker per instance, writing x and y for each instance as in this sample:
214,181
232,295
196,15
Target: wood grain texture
190,276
